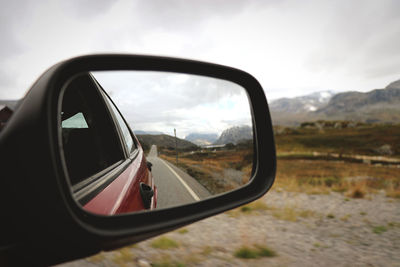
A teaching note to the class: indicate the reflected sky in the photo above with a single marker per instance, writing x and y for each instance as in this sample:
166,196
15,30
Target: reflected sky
160,101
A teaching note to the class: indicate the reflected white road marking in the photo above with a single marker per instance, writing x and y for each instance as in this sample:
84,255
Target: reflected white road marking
193,194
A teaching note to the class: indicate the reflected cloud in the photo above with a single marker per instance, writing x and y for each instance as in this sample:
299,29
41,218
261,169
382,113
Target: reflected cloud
157,101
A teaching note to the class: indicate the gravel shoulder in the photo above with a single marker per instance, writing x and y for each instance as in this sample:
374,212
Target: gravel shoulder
304,230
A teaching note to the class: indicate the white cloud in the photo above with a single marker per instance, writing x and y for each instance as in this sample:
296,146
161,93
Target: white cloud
156,101
291,47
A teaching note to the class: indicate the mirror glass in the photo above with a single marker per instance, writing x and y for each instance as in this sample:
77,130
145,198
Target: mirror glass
141,140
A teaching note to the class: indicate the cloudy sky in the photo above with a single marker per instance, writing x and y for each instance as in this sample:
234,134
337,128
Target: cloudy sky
292,47
162,102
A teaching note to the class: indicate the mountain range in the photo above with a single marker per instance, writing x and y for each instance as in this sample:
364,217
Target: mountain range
376,106
202,139
235,135
164,140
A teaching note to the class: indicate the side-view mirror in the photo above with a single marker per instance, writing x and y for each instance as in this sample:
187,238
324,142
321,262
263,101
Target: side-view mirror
108,150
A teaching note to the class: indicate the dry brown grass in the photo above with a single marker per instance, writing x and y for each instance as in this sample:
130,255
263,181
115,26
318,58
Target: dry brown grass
286,213
123,257
302,170
321,177
364,140
393,192
292,214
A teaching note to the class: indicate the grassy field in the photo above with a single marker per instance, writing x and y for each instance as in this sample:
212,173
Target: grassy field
322,177
301,169
365,139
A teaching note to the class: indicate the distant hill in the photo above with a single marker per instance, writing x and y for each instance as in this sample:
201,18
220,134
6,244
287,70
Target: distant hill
148,132
166,141
235,135
12,104
306,103
290,111
202,139
380,105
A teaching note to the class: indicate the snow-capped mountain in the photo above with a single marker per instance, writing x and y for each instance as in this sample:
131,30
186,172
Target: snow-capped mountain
379,105
235,135
301,104
202,139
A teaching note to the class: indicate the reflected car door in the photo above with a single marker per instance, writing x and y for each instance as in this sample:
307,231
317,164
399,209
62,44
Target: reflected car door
133,189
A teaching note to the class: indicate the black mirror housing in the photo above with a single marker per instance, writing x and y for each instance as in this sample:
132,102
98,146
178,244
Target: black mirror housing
45,221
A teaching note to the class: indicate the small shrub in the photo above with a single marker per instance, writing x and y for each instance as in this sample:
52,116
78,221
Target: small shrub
363,213
379,229
245,209
246,253
357,193
255,252
164,243
263,251
330,216
183,231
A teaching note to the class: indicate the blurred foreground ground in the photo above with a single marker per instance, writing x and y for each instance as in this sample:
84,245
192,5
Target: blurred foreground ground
335,202
299,229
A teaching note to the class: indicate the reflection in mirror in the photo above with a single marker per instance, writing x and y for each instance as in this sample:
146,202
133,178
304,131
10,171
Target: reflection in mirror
141,140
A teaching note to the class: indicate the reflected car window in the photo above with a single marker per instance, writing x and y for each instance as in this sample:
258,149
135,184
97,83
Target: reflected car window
76,121
90,140
125,130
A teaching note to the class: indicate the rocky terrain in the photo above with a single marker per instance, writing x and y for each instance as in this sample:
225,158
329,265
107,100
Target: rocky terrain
300,229
235,135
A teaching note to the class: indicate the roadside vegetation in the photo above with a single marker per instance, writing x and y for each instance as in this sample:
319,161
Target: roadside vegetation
320,157
352,158
342,137
218,170
354,180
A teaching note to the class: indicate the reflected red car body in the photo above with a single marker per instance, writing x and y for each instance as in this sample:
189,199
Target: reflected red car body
123,194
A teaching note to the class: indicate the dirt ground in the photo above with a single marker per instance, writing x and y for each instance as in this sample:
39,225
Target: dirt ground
302,230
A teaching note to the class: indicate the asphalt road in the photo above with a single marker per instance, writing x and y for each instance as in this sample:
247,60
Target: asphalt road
175,187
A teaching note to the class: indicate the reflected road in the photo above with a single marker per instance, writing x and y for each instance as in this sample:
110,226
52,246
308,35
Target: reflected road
174,186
